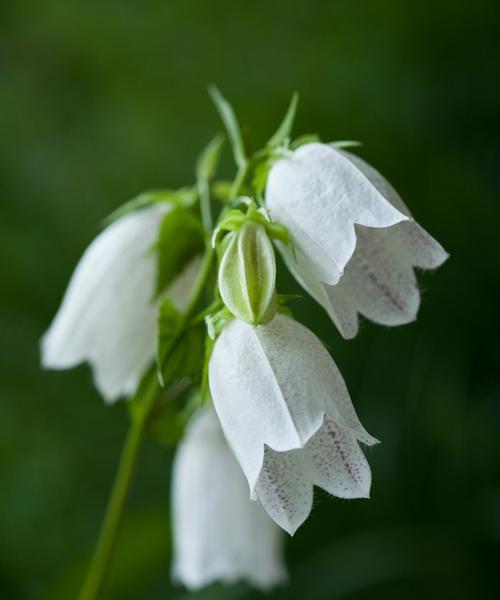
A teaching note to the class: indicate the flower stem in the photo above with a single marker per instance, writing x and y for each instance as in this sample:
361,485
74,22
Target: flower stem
107,536
130,452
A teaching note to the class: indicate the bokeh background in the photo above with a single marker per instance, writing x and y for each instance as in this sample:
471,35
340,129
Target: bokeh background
102,99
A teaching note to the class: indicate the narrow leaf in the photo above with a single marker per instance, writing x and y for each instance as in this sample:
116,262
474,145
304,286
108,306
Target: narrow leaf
231,124
284,130
208,160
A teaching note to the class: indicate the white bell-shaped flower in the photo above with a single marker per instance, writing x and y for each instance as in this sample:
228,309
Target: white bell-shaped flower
379,280
219,533
288,417
319,195
108,316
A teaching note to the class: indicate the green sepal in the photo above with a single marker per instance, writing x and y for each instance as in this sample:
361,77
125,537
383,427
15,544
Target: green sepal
282,134
205,387
183,197
234,219
308,138
247,274
261,173
277,231
345,144
217,321
180,238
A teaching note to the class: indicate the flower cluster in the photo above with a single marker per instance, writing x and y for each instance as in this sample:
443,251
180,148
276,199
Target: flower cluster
262,397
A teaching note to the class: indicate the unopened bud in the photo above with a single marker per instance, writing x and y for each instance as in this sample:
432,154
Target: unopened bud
247,275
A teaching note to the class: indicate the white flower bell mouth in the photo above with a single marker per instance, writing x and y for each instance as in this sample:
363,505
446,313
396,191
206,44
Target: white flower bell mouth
339,198
108,316
288,417
219,533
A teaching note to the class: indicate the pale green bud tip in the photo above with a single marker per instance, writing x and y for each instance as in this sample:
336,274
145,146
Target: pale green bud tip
247,275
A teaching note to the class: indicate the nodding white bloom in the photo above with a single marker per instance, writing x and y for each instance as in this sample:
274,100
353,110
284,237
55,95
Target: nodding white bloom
288,417
356,242
108,314
219,533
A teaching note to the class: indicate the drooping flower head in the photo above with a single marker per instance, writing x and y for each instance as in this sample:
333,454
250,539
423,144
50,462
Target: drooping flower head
356,243
287,415
108,316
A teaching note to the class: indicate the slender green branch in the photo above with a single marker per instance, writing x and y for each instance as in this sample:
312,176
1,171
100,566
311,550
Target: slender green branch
119,492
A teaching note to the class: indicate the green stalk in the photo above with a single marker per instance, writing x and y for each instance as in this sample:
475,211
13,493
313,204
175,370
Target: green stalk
121,486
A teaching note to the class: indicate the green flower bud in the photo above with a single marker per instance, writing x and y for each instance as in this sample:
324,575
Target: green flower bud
247,274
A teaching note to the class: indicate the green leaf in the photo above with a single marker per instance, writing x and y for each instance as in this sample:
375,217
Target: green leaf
179,352
208,160
180,238
231,124
216,322
284,130
170,324
186,356
181,197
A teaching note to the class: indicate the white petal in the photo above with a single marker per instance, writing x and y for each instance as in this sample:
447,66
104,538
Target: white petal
379,181
319,194
378,281
332,298
419,248
108,316
272,385
332,459
219,533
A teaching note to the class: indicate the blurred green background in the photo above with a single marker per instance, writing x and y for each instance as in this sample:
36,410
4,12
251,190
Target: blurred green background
102,99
